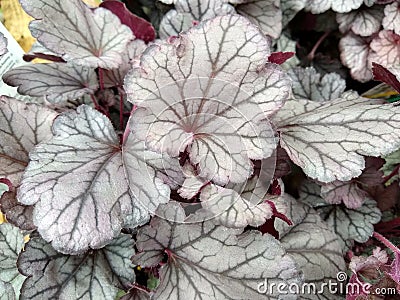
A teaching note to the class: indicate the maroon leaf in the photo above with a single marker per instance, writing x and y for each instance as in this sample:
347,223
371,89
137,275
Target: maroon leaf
6,182
140,27
280,57
31,56
384,75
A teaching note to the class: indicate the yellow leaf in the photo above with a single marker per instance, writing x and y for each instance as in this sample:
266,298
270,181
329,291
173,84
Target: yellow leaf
2,218
93,3
17,21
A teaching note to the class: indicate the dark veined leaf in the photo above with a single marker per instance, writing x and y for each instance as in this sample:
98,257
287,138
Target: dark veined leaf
308,84
16,213
187,12
392,15
6,291
364,21
22,126
92,38
11,244
328,140
386,49
349,224
56,81
355,54
264,13
223,134
94,275
314,247
206,261
78,178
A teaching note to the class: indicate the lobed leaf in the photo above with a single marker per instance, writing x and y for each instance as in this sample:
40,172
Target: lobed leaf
16,213
308,84
58,82
264,13
95,275
77,205
221,134
188,11
349,193
233,210
342,131
391,19
340,6
364,22
349,224
314,247
355,54
206,261
290,8
386,47
22,126
86,37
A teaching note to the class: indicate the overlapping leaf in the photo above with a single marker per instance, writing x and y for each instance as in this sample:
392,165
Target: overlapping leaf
364,22
285,44
77,181
264,13
313,245
354,53
56,81
344,192
22,126
386,47
93,38
392,16
206,261
341,6
115,77
349,224
189,97
11,244
308,84
95,275
136,294
16,213
290,8
232,209
187,11
328,140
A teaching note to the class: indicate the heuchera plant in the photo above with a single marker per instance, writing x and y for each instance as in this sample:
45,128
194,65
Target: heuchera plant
210,163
